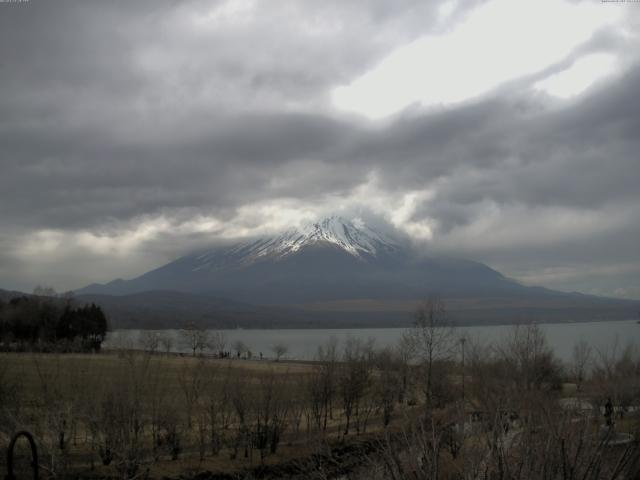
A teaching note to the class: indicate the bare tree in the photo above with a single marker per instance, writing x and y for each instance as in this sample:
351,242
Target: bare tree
156,401
270,409
415,453
404,352
530,357
432,338
196,337
149,341
217,342
166,341
121,419
57,413
523,434
616,376
316,396
568,448
217,404
388,384
580,360
193,380
297,407
240,399
327,355
279,349
354,379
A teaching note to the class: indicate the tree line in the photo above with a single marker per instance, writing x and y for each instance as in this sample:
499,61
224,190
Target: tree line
51,323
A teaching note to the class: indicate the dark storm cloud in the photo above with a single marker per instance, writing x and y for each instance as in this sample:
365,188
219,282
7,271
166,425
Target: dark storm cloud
120,114
511,151
107,109
74,178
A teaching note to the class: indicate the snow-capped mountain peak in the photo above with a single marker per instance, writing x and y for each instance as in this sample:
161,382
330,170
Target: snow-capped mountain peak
352,236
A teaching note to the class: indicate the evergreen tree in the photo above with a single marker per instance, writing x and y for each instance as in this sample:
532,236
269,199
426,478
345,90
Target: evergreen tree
31,320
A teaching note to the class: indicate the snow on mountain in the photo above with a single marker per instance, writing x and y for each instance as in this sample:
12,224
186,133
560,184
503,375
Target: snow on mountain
333,259
352,236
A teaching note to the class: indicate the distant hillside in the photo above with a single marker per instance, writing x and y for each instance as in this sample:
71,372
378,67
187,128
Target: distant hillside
165,309
168,309
337,273
6,295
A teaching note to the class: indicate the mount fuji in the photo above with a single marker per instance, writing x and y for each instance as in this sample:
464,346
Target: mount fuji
336,269
334,258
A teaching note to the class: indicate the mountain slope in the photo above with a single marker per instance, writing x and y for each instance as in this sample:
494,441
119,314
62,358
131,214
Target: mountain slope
328,260
334,272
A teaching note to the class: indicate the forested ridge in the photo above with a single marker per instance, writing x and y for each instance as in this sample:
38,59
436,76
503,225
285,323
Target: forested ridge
50,323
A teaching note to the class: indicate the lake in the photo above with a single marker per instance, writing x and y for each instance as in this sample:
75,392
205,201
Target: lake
302,344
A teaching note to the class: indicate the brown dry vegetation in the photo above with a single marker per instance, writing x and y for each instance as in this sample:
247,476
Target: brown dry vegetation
56,395
356,412
163,415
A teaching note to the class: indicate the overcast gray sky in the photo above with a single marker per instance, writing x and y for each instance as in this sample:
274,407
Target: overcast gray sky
504,131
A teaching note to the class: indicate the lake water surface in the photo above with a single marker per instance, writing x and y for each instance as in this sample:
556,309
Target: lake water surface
303,343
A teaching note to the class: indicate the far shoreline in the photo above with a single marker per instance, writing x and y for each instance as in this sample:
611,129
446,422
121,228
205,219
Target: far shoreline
380,327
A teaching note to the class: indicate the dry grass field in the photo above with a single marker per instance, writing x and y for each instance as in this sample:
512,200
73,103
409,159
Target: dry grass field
175,413
28,369
132,414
